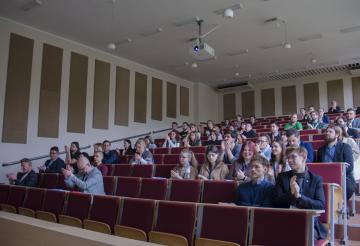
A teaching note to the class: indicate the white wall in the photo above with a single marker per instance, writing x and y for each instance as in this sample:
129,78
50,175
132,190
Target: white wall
39,146
321,79
206,103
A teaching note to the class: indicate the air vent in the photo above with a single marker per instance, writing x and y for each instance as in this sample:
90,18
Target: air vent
238,85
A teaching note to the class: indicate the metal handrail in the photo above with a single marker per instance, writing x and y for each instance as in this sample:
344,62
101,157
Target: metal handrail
5,164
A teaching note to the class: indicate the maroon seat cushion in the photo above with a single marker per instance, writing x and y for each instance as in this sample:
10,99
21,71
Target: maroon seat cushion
330,172
105,209
123,159
164,170
109,185
176,151
161,151
171,159
128,186
34,199
122,170
152,188
324,217
158,159
226,223
138,213
16,196
143,171
200,158
177,218
78,205
198,149
54,201
50,180
219,191
185,190
4,193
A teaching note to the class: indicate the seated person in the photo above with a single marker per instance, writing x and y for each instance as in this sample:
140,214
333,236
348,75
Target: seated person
315,122
27,176
299,188
150,143
352,121
88,179
213,139
293,138
249,132
192,140
174,126
240,168
171,140
302,115
336,151
294,123
340,121
97,147
110,156
72,154
185,169
213,168
98,157
209,127
54,164
252,120
185,131
128,150
275,135
263,146
142,155
257,191
278,161
218,133
230,149
323,117
334,108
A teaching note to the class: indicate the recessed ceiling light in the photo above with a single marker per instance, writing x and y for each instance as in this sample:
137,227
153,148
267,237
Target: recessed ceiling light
310,37
111,46
287,45
237,74
313,60
350,29
194,65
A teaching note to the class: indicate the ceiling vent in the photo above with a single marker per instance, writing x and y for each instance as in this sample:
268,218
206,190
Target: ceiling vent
354,69
238,85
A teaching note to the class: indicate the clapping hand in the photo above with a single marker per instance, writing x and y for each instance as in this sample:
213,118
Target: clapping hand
294,187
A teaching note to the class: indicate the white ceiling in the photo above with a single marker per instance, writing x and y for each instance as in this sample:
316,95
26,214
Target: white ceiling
90,22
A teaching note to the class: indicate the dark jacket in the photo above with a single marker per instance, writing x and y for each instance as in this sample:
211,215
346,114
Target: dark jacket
312,196
110,157
55,166
310,150
30,180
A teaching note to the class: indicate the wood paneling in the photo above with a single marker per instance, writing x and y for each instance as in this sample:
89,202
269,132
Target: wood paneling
156,99
335,91
77,93
101,95
50,89
17,92
268,102
248,103
288,94
140,99
356,91
229,106
122,96
311,95
184,101
171,100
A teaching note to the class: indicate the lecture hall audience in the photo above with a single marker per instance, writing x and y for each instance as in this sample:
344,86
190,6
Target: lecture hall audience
54,164
27,176
213,168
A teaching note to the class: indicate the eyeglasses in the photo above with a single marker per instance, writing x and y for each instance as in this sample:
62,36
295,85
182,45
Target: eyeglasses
211,154
53,153
261,141
182,156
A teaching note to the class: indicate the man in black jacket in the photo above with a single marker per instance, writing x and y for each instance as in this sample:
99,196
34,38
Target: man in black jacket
25,178
55,163
300,188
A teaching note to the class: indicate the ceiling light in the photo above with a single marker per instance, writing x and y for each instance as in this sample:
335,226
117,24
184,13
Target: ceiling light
111,46
287,45
229,13
350,29
237,74
194,65
313,60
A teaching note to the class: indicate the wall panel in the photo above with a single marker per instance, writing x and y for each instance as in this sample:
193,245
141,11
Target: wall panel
356,91
184,101
101,95
268,102
156,99
335,91
229,105
311,95
122,96
140,99
171,100
288,94
248,103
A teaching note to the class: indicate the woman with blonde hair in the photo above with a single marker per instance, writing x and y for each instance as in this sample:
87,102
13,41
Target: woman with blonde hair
187,167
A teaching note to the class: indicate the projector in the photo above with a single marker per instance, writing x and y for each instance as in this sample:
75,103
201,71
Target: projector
202,51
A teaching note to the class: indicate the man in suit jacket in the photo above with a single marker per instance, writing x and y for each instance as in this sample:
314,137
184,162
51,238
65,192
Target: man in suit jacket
25,178
337,151
293,138
299,188
55,163
352,132
352,121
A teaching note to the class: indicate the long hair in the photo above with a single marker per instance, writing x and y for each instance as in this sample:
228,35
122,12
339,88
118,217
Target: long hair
250,145
213,149
282,160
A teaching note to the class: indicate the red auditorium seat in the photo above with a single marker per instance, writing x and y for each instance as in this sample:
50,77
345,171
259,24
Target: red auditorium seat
310,131
200,158
198,149
61,183
50,180
53,205
122,169
219,191
176,151
305,138
170,212
152,188
33,202
110,169
123,159
317,144
15,199
161,151
330,172
109,185
136,219
319,137
128,186
103,214
171,159
225,223
159,142
4,193
143,171
163,171
185,190
77,209
158,159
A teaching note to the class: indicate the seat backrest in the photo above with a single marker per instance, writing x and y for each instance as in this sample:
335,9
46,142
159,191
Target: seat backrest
153,188
158,159
269,222
105,209
225,223
319,137
310,131
54,201
138,213
198,149
177,218
61,183
176,151
164,171
123,159
122,170
128,186
185,190
330,172
171,159
143,171
78,205
109,184
50,180
110,169
16,196
200,158
161,151
34,198
4,193
317,144
325,217
219,191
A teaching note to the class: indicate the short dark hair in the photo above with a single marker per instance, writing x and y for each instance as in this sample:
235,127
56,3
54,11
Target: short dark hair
292,132
262,160
265,136
174,123
233,134
26,160
299,150
54,148
106,141
275,123
350,109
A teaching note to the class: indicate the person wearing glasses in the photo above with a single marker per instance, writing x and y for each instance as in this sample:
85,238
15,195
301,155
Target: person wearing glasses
263,146
213,168
187,167
54,164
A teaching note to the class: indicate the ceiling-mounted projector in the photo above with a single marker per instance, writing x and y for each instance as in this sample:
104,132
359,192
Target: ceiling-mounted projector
202,51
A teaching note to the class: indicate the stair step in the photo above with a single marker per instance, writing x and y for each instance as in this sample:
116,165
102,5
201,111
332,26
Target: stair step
353,232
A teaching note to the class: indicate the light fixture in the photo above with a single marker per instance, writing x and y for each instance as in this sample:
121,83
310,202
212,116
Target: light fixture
237,74
194,65
286,43
229,13
111,46
312,58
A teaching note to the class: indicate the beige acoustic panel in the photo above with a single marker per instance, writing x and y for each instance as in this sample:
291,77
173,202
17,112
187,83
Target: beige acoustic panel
122,96
356,91
268,102
77,93
156,99
50,88
248,103
101,95
140,99
229,106
288,94
17,92
335,91
171,100
184,101
311,95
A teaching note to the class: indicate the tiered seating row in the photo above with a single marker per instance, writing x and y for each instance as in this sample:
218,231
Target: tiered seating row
161,221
